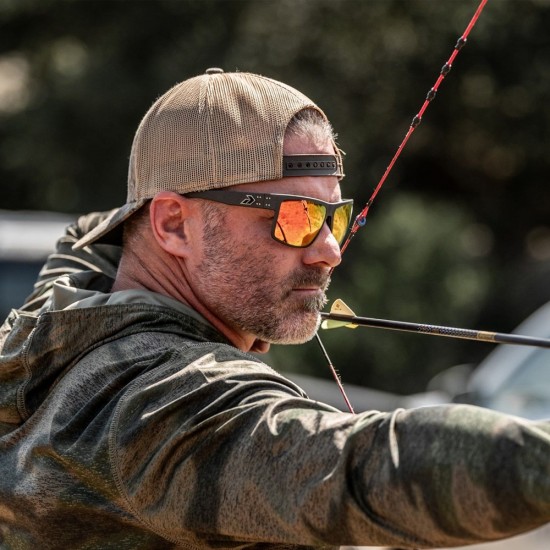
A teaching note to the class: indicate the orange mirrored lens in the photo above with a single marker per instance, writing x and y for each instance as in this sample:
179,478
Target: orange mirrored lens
299,222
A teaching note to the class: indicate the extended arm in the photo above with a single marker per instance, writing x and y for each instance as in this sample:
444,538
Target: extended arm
258,463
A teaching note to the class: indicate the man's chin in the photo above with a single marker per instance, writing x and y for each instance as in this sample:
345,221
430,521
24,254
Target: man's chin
299,332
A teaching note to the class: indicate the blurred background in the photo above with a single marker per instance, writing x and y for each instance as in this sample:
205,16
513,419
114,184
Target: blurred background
459,235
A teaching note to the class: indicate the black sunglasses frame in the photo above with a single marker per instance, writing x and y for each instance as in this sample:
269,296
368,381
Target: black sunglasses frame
273,201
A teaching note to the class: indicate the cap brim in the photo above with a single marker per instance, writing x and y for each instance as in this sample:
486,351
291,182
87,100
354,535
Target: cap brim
109,231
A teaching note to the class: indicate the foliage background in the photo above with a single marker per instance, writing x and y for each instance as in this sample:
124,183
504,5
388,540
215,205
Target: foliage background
460,234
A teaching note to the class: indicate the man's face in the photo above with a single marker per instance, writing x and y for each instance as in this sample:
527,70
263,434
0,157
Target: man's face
256,285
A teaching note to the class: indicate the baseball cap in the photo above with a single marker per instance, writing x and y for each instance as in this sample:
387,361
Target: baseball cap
212,131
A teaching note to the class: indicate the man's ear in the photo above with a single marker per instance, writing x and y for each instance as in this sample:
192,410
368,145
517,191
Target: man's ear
173,220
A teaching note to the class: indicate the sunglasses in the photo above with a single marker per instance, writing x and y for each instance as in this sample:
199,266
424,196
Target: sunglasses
298,220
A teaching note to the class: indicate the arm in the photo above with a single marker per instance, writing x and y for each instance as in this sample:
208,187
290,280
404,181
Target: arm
65,260
233,455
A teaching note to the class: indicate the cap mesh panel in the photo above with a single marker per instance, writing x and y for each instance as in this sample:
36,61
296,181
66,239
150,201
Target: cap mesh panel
213,131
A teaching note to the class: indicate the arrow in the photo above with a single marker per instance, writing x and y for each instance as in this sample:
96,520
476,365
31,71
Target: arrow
342,316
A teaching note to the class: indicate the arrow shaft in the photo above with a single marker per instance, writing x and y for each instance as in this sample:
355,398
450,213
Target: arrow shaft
438,330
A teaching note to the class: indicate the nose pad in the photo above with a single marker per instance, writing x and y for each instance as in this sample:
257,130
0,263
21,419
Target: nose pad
329,220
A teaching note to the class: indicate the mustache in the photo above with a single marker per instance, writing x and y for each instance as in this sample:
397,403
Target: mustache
309,277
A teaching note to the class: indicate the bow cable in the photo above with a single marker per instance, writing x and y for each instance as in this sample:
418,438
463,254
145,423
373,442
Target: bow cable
360,220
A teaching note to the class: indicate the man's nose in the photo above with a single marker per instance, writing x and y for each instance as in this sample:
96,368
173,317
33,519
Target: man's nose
324,250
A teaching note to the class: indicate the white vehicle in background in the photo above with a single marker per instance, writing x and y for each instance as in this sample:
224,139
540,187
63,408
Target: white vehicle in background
26,239
511,379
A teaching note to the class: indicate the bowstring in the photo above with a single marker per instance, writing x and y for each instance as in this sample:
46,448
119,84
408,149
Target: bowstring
361,218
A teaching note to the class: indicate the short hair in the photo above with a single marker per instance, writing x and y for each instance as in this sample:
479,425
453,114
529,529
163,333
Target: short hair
310,123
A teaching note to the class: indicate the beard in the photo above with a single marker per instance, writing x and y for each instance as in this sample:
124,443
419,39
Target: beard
242,289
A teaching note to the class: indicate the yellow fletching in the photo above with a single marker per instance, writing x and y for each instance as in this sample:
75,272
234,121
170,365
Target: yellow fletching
340,308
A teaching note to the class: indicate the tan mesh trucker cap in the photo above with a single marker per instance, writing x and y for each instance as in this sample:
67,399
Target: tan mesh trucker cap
213,131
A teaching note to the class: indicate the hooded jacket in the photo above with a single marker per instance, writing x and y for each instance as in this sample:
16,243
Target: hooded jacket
127,421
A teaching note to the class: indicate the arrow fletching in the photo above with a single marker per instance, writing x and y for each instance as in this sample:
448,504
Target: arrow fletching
340,308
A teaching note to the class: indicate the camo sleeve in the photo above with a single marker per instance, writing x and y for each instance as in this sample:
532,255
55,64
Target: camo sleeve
65,261
229,455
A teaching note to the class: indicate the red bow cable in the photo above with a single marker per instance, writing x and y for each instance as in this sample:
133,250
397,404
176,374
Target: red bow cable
360,220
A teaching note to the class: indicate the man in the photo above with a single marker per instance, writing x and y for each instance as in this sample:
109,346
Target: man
132,414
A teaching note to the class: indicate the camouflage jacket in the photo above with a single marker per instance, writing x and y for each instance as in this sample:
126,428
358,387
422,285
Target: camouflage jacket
128,422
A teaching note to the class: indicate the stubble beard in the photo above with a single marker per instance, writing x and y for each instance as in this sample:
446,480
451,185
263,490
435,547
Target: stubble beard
240,289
